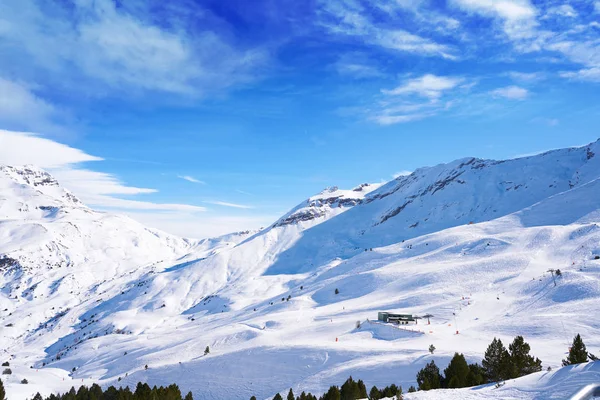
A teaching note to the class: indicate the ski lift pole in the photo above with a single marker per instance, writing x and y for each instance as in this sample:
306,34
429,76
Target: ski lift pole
455,323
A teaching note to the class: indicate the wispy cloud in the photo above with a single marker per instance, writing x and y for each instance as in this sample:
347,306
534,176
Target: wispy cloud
226,204
357,66
431,86
586,74
526,76
122,47
94,188
561,30
349,18
511,92
387,119
191,179
564,10
400,105
21,108
20,148
506,9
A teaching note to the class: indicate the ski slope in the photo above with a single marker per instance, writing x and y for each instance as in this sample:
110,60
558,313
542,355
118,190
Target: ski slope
470,242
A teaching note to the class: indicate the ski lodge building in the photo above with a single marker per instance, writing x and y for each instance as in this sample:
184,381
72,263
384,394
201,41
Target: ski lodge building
400,319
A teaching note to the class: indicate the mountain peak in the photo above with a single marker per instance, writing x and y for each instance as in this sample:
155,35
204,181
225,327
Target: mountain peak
41,181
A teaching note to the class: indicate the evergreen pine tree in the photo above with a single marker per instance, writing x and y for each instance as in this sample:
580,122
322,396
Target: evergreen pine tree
290,395
253,398
2,391
476,375
391,391
71,395
429,377
38,396
142,392
110,394
521,363
457,372
82,393
332,394
374,394
349,390
189,396
362,389
411,389
277,397
206,350
578,353
496,361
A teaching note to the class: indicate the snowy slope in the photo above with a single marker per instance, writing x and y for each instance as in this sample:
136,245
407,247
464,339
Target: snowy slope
430,199
265,301
559,384
56,254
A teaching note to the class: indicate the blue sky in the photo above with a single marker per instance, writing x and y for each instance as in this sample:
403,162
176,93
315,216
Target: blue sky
203,117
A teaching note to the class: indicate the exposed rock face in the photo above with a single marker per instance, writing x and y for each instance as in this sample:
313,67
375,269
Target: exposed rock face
325,203
41,181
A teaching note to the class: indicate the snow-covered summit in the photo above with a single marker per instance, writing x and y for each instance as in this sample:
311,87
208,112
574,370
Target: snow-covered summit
462,192
329,202
30,192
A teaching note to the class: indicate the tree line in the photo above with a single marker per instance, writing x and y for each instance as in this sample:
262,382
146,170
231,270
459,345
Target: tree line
350,390
498,364
95,392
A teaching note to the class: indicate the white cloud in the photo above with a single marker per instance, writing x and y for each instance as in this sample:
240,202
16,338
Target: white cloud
358,66
507,9
511,92
122,48
92,187
564,10
94,182
526,76
517,17
431,86
191,179
386,119
597,6
586,74
20,108
348,18
405,103
401,40
532,30
19,148
226,204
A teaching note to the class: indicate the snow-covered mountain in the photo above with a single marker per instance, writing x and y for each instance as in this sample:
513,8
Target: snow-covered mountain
470,242
431,199
56,253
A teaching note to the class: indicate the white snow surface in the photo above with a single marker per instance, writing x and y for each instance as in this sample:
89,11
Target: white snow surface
470,242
